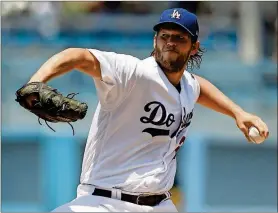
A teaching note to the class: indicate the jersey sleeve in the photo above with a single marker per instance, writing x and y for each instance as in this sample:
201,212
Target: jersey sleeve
194,83
196,89
119,75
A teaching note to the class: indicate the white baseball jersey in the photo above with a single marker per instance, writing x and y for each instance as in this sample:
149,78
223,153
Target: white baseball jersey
139,124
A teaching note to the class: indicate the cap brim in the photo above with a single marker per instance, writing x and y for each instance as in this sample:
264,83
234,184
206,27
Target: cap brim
157,26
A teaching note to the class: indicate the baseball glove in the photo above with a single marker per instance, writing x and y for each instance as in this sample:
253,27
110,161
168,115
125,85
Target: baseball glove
50,105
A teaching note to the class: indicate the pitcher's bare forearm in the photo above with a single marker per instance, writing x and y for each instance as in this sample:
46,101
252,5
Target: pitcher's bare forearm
211,97
65,61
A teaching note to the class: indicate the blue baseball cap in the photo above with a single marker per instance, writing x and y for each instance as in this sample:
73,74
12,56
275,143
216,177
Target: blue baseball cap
181,17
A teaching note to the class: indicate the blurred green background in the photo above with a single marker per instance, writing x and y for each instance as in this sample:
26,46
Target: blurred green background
218,171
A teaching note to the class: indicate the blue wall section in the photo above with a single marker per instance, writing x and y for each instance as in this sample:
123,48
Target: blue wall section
224,175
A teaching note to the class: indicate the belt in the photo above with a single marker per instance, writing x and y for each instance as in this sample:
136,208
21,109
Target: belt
147,200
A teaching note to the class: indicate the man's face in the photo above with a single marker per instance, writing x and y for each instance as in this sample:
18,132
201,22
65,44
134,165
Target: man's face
172,48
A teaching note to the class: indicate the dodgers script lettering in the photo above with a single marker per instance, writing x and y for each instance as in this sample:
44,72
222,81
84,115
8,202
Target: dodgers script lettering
158,116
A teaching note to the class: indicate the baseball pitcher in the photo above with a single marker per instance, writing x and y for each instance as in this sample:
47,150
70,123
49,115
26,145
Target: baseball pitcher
142,119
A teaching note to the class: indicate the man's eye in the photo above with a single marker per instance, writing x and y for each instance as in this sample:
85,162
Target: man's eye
178,37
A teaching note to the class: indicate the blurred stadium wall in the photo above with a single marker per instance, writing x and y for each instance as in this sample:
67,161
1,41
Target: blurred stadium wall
217,170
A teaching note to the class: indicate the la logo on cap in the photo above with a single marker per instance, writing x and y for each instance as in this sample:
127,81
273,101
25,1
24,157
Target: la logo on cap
176,14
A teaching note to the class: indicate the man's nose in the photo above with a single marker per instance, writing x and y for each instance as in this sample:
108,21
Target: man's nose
171,44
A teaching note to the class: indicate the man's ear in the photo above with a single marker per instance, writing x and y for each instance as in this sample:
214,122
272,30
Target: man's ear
195,48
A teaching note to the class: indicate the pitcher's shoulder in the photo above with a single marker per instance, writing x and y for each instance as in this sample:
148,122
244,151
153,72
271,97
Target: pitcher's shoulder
190,78
188,75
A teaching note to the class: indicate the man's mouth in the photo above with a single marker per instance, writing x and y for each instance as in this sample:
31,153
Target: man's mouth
171,51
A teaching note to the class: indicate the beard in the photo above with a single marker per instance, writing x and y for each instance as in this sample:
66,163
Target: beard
170,60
